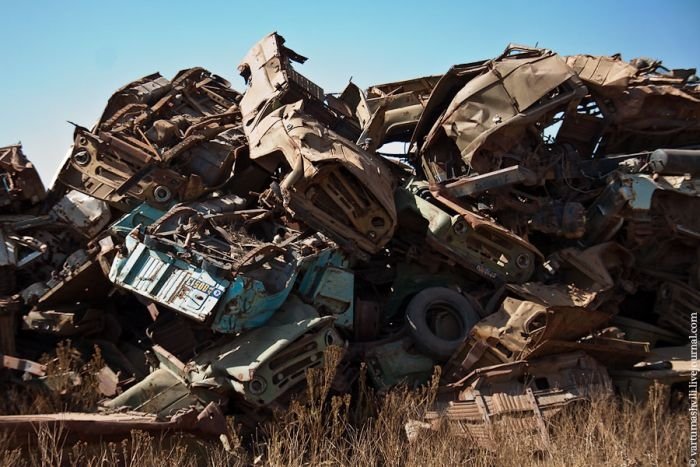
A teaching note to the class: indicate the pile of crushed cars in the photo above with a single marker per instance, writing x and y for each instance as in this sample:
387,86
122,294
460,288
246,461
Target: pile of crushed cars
536,235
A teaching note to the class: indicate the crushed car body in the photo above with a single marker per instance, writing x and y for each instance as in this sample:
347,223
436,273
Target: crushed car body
537,240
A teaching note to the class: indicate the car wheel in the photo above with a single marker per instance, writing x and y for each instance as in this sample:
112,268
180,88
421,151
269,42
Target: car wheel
440,319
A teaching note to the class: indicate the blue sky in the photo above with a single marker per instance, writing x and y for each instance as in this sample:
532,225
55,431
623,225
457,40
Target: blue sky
62,60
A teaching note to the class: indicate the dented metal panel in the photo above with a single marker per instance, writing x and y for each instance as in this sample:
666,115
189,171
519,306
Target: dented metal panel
398,362
166,280
489,116
265,363
327,282
208,423
474,242
333,186
521,396
86,214
158,141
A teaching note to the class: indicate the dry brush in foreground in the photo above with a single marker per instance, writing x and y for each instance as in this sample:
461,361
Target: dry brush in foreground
368,429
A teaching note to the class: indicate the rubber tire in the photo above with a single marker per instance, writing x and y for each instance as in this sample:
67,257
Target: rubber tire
417,316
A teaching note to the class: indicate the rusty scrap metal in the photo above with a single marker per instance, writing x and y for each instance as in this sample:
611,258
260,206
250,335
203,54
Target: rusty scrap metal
537,238
208,423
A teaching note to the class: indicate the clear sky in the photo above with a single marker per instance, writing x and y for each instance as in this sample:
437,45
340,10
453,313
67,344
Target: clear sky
61,60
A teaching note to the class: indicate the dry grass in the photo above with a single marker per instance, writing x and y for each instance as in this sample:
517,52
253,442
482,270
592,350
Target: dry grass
368,430
71,385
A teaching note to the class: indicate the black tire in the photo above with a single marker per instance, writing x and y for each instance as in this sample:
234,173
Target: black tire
439,319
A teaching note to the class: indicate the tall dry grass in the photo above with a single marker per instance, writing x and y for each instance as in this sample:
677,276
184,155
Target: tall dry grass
367,429
71,385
